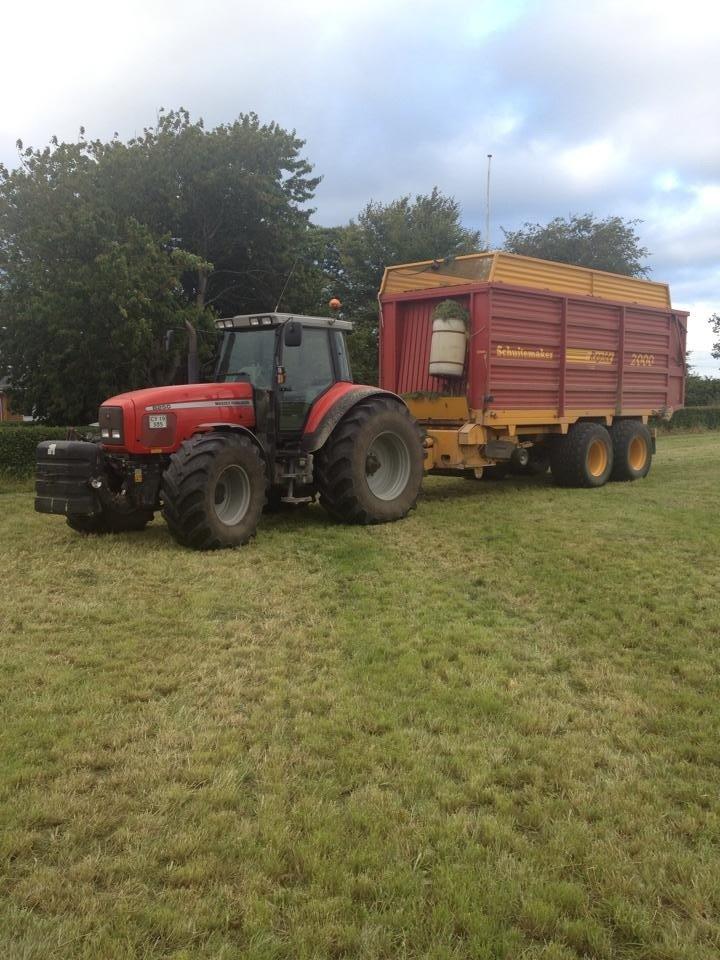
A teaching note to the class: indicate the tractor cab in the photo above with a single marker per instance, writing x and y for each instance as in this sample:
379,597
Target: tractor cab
292,359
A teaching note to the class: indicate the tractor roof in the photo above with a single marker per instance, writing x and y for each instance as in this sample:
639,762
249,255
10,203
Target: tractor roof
245,320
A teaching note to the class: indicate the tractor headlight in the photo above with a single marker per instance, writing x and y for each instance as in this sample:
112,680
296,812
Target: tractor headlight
111,424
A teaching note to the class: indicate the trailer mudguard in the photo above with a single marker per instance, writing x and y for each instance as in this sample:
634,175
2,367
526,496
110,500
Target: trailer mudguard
331,407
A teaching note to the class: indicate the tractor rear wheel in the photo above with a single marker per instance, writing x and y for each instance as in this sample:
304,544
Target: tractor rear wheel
371,467
214,491
632,450
111,521
582,458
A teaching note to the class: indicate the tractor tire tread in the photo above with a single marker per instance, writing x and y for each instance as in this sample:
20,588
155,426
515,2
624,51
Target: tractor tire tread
184,487
334,465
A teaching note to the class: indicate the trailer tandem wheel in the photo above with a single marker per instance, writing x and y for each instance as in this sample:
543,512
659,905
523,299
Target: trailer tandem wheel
582,458
632,450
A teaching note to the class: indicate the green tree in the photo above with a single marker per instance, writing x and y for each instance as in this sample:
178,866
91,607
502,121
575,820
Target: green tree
355,256
105,246
610,244
236,196
85,295
702,391
714,322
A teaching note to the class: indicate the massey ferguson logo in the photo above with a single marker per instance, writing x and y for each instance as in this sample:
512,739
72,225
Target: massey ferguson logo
197,405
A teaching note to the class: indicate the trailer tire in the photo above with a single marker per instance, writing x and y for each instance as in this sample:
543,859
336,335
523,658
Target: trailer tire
539,462
582,458
371,467
495,472
632,450
111,521
214,491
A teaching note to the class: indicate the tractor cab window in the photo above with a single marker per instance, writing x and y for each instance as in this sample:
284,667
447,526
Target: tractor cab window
248,355
308,373
337,338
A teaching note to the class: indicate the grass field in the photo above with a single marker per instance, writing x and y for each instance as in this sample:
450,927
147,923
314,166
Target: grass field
489,731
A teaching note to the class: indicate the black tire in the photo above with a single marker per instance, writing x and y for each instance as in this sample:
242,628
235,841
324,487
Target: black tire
111,521
371,467
632,450
498,471
214,491
273,500
582,458
539,463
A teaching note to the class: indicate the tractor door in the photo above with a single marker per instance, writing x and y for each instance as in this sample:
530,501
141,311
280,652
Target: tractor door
309,371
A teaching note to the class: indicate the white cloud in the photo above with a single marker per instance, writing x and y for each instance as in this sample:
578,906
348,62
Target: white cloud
603,106
666,181
592,164
685,227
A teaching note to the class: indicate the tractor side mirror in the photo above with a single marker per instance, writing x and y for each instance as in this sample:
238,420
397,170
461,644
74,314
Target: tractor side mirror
293,334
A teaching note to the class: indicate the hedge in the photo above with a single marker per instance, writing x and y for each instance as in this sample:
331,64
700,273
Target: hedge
17,446
693,418
18,440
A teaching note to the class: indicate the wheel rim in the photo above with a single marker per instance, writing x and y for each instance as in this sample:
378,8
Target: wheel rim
387,466
637,455
597,458
232,495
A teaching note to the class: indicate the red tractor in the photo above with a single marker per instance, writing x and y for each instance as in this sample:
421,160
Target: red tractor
281,421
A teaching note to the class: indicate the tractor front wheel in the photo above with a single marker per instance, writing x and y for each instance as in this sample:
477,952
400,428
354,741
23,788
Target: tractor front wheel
213,491
371,467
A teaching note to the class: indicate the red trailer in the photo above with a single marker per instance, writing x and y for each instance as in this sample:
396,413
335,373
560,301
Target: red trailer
541,363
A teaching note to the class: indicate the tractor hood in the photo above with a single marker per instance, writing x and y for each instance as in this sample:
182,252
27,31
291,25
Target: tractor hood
208,393
158,419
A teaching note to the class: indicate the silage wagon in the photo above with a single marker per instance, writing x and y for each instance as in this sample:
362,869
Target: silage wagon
542,364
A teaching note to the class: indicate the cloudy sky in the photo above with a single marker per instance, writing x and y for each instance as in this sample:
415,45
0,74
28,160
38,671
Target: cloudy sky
607,106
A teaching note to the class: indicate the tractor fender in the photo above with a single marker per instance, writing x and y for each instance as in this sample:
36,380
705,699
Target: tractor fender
222,427
331,407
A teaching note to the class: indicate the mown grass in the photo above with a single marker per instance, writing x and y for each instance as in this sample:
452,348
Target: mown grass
490,731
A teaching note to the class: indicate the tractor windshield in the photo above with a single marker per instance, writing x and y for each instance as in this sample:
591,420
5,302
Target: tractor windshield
247,355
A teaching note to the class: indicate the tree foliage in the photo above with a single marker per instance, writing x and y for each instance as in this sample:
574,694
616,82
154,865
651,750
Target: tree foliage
235,196
611,244
714,322
85,294
106,246
702,391
355,256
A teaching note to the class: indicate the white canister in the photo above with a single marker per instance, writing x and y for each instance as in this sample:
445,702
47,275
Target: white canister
447,347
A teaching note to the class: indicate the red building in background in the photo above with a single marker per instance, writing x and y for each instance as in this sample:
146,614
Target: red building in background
5,412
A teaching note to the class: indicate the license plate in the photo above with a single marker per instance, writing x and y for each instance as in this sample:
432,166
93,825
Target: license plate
158,421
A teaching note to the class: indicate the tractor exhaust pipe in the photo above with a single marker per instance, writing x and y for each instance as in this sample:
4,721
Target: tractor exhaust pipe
193,361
